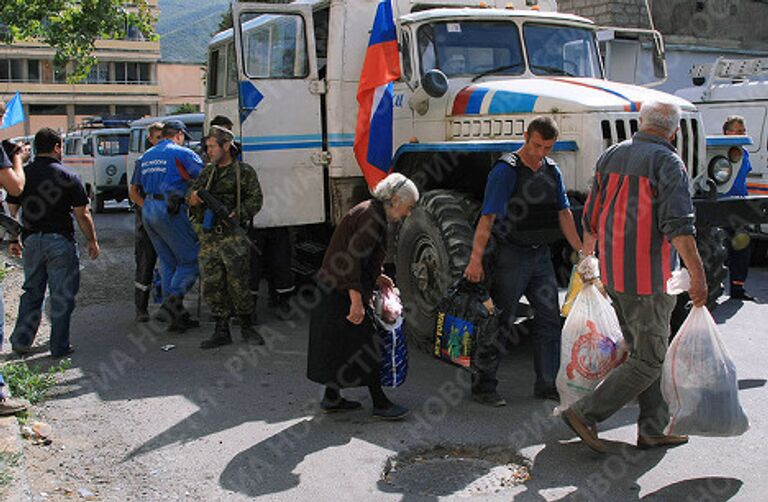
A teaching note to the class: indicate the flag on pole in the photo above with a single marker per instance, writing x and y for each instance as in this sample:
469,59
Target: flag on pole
14,112
373,136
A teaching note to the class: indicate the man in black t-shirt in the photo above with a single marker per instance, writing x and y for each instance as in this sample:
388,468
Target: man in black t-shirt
50,197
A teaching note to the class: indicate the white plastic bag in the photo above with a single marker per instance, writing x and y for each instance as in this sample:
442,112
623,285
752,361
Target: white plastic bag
699,381
592,345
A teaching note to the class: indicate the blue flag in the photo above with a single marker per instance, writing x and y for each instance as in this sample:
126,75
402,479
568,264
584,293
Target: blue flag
14,112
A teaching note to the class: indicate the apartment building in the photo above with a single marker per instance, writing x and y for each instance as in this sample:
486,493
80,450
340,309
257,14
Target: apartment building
124,82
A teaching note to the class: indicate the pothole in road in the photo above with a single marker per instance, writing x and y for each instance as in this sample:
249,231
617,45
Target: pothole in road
457,470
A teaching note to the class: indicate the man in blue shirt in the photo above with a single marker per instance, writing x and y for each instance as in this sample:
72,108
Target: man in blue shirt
738,256
166,171
525,208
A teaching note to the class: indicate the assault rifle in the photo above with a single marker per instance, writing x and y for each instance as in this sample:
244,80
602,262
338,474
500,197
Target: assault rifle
222,214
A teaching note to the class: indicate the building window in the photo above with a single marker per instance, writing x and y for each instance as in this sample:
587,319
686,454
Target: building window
47,110
132,73
10,70
33,70
99,74
132,111
99,110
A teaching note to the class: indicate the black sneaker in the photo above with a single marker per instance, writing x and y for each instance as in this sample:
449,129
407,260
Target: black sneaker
339,406
393,412
492,399
744,296
67,352
547,393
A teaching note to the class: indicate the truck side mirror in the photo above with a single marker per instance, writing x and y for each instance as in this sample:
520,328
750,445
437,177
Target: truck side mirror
434,84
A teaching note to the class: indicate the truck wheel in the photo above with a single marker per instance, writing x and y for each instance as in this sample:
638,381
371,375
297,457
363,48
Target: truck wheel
434,244
97,203
711,244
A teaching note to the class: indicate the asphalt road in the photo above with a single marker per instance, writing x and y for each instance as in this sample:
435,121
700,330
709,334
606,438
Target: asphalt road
240,422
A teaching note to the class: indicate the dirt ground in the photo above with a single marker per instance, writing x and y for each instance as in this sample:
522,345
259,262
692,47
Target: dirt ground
86,432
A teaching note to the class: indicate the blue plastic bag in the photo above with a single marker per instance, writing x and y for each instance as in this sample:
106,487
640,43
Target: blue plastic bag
394,352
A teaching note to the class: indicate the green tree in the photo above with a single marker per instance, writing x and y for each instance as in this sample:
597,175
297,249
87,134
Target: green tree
186,108
72,27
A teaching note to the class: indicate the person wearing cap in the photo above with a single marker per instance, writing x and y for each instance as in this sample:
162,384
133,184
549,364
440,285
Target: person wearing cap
166,171
224,254
144,252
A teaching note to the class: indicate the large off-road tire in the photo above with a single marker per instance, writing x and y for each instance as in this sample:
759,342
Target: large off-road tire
433,248
711,244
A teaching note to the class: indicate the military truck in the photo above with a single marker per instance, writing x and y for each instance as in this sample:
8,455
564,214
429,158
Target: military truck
473,74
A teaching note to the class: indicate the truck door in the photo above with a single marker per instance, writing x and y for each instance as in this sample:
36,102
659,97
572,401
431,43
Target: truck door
279,105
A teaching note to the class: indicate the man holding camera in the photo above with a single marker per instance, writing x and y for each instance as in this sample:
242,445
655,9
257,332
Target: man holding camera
166,171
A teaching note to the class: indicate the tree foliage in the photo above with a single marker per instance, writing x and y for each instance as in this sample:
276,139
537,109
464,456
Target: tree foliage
72,27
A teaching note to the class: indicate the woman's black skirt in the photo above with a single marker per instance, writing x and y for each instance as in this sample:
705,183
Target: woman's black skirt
341,354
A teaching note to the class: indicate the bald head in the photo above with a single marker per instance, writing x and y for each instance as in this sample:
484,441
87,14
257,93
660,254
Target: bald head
659,118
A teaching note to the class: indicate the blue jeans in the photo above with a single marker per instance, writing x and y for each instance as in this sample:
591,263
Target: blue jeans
50,260
517,271
176,244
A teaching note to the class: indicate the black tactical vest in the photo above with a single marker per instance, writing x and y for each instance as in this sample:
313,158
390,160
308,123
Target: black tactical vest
533,208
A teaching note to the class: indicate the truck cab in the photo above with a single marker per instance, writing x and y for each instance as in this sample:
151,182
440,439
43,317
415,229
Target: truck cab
473,74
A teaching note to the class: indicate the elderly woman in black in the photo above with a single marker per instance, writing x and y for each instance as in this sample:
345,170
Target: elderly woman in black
343,351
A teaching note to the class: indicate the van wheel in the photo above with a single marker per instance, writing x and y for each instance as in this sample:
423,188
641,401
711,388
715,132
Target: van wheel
434,244
97,203
711,244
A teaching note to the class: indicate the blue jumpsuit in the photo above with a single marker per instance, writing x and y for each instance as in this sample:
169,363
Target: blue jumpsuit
166,169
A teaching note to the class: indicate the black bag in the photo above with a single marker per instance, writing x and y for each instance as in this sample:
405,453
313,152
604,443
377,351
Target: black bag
466,317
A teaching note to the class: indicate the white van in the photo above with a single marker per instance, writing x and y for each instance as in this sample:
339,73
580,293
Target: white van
193,121
98,157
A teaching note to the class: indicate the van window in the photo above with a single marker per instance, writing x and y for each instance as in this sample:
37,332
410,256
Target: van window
70,147
214,74
112,145
274,45
231,71
135,140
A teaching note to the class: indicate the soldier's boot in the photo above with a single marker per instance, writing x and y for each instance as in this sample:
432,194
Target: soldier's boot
221,335
249,332
142,305
180,318
284,311
254,315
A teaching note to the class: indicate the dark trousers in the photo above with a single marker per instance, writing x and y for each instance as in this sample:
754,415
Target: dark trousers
146,257
738,265
518,271
275,246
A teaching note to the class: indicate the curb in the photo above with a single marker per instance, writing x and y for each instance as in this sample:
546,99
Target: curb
10,442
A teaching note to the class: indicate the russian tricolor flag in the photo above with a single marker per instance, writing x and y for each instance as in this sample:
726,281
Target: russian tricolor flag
373,136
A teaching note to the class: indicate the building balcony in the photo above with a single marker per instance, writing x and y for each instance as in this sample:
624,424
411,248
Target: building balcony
74,93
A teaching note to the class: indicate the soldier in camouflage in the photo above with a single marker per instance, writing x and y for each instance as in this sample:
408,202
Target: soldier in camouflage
224,255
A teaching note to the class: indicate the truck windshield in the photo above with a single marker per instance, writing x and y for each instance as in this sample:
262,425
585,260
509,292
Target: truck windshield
471,48
112,145
561,51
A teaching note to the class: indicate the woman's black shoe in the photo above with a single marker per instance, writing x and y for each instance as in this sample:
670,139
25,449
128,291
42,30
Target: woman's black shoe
340,405
393,412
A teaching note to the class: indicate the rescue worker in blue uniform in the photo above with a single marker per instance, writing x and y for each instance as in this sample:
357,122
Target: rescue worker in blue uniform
739,252
166,171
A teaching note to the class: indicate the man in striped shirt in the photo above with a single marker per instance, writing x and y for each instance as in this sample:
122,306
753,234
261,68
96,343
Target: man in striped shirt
639,204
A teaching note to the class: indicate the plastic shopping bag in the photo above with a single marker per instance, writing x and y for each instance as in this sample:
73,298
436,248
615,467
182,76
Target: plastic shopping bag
592,346
574,288
699,381
390,328
467,314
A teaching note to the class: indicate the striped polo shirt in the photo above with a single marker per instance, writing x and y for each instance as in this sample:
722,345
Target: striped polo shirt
638,202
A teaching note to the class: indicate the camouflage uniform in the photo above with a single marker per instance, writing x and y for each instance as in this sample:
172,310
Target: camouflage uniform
224,256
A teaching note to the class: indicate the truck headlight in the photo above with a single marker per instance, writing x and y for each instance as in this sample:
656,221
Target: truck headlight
111,170
720,170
